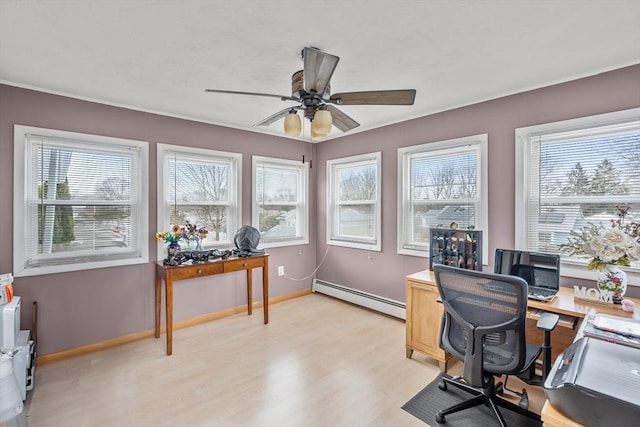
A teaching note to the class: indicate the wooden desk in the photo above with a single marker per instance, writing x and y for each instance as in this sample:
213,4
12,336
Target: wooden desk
424,315
173,273
551,417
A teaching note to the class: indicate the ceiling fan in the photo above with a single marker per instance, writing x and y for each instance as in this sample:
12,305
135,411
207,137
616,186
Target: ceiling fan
311,89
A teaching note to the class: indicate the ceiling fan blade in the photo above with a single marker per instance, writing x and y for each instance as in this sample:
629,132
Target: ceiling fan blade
318,69
341,120
273,118
234,92
375,97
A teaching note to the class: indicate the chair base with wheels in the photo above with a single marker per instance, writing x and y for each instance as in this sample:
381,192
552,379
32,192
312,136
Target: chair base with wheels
488,396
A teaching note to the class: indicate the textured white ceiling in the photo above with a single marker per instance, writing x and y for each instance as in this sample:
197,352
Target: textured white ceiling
159,56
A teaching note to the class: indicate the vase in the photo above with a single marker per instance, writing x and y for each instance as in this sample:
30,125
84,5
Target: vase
172,250
613,279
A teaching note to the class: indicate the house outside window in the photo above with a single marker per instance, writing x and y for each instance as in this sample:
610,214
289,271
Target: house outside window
202,187
354,202
280,201
79,201
574,173
441,183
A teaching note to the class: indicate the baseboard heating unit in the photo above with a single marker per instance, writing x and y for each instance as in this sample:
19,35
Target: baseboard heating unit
364,299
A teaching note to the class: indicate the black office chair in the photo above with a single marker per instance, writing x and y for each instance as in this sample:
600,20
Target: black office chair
484,325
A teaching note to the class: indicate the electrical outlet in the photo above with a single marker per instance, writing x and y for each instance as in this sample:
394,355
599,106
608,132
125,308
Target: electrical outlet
280,270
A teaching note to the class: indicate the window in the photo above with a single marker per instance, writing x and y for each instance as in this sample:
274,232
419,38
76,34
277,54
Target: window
79,201
572,173
200,186
440,183
353,211
280,201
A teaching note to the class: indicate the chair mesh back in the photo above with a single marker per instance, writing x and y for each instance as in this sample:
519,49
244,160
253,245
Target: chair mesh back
493,307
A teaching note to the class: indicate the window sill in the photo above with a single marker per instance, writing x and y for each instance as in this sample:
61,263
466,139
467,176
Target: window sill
282,243
355,245
579,271
51,269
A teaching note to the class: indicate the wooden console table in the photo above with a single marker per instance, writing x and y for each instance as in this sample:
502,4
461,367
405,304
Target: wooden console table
173,273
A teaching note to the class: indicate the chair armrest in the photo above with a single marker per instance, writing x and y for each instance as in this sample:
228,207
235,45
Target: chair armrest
548,321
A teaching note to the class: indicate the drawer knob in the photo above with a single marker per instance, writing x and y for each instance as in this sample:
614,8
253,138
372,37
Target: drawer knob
244,264
199,271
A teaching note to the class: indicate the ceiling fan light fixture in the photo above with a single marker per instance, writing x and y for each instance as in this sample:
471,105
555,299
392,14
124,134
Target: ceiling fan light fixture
292,123
322,122
317,136
311,89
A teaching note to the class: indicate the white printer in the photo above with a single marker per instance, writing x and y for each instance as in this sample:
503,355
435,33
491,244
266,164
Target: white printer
12,337
596,383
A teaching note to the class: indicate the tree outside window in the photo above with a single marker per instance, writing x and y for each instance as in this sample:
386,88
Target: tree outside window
280,201
576,173
199,186
354,210
84,205
440,183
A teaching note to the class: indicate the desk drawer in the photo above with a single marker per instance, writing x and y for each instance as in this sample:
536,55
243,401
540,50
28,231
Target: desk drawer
243,264
197,270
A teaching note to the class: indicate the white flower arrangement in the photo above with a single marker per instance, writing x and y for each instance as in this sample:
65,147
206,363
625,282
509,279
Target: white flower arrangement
613,246
606,246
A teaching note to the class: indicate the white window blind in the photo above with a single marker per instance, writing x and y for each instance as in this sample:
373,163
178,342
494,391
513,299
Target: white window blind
439,184
200,186
83,204
354,209
280,202
576,173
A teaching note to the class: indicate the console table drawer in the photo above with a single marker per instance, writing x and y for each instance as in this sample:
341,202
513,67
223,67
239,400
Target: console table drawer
243,264
197,271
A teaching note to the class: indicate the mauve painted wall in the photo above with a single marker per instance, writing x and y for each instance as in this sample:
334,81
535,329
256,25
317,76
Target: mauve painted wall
382,273
84,307
80,308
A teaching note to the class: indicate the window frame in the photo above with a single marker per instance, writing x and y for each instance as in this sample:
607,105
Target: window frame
375,243
163,205
302,202
570,267
22,158
479,142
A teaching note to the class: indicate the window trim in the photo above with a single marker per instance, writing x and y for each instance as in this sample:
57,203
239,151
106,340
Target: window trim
376,243
303,200
482,217
569,268
163,207
21,181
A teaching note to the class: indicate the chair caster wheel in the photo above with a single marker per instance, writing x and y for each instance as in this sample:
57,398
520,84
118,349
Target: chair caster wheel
442,385
440,418
524,400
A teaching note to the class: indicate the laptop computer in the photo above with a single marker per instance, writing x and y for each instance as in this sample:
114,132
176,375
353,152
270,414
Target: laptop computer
541,271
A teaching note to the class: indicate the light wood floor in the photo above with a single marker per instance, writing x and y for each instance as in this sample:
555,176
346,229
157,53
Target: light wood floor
319,362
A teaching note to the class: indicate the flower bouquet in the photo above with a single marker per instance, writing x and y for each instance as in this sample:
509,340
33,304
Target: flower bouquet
172,237
609,248
194,235
606,246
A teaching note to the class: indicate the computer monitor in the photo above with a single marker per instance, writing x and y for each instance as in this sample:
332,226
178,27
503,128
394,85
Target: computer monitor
540,270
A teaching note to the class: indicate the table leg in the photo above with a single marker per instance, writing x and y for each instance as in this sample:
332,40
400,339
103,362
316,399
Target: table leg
158,302
249,291
169,314
265,290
